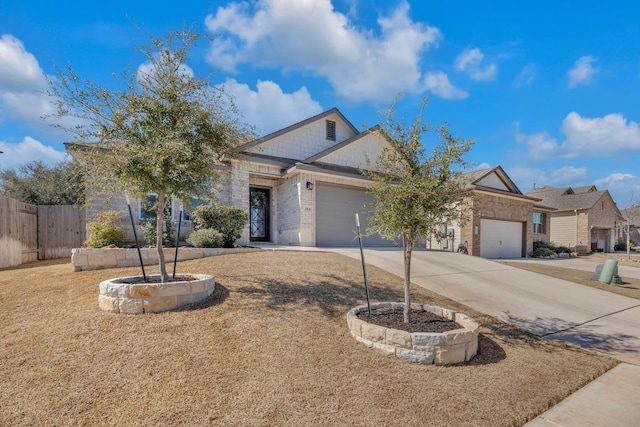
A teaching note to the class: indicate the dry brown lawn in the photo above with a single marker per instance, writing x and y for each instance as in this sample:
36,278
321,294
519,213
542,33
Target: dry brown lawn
631,287
271,347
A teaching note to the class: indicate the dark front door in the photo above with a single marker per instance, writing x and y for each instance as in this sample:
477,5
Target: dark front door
259,214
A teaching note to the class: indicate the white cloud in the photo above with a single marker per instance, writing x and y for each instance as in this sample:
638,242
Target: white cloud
15,155
20,69
598,137
147,71
310,36
23,86
624,188
439,84
526,177
605,136
540,146
583,72
268,107
566,175
470,62
526,76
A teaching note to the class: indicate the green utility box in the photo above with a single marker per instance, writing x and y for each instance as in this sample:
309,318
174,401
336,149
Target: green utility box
608,273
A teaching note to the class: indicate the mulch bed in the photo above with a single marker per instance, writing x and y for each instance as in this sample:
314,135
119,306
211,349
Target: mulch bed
421,321
154,279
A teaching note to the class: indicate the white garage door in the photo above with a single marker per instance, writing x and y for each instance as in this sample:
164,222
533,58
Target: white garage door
335,216
500,239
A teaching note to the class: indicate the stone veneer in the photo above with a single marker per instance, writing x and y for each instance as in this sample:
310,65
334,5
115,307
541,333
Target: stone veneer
116,296
450,347
84,259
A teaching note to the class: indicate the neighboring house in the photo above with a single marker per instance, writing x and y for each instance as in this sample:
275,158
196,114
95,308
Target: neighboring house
499,218
584,218
633,216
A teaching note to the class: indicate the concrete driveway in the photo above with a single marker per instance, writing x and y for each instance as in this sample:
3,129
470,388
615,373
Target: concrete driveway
560,310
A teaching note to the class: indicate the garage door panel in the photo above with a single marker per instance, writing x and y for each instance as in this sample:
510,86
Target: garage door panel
335,216
500,239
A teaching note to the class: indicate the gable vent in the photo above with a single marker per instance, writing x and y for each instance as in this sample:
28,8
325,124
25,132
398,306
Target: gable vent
331,130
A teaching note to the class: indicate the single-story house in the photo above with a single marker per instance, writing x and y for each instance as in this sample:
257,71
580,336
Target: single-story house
584,219
499,218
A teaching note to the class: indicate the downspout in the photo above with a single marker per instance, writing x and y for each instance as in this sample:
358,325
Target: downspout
575,211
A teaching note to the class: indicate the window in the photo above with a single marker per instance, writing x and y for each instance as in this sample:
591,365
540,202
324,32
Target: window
186,213
147,208
538,222
331,130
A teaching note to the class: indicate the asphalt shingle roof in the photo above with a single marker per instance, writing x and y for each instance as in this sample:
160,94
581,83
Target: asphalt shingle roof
567,198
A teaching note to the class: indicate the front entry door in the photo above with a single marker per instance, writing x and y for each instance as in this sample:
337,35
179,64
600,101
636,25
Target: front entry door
259,214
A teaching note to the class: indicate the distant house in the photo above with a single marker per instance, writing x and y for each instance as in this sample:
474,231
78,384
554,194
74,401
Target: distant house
633,216
584,219
499,218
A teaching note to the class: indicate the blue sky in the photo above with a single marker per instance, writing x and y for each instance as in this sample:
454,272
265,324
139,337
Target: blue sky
548,89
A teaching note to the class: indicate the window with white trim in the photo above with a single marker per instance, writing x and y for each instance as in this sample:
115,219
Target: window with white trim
538,222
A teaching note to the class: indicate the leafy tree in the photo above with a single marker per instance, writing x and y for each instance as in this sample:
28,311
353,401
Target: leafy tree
39,184
161,134
415,191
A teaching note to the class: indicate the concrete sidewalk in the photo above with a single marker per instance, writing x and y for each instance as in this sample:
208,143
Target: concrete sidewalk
612,400
560,310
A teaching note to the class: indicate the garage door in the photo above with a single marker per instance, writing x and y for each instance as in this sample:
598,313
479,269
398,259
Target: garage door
335,216
500,239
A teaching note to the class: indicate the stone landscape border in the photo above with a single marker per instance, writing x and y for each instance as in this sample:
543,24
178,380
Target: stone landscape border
117,296
84,259
450,347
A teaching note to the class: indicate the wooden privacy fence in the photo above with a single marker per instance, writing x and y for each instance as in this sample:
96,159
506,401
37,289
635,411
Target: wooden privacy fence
29,233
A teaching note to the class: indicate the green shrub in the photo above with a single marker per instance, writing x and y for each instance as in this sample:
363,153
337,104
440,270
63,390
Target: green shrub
542,252
149,231
537,244
559,249
206,238
541,244
620,246
226,219
105,230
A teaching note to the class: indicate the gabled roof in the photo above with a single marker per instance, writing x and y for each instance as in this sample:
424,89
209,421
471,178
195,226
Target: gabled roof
569,198
479,178
295,126
339,146
494,180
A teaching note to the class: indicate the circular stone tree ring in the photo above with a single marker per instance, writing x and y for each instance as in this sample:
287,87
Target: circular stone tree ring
445,348
131,295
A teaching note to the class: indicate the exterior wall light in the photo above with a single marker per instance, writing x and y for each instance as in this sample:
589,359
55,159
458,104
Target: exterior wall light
309,185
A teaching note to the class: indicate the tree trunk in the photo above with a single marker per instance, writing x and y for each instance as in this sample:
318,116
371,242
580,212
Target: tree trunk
407,247
162,267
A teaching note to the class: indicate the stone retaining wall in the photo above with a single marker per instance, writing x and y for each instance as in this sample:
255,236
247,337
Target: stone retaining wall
83,259
456,346
116,296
